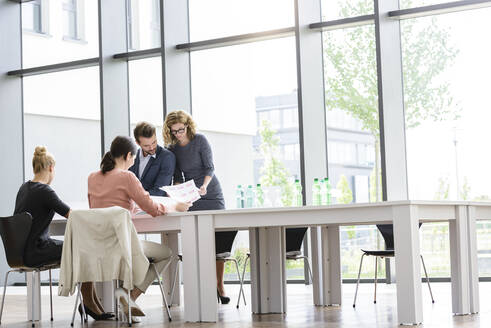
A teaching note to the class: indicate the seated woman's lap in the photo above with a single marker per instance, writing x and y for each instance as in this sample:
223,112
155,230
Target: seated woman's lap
156,251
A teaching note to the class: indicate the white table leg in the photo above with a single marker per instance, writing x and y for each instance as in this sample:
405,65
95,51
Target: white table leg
473,266
171,239
268,273
459,261
316,261
105,292
33,295
331,265
407,259
191,278
207,268
306,253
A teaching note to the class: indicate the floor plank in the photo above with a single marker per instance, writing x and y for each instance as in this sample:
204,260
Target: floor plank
301,312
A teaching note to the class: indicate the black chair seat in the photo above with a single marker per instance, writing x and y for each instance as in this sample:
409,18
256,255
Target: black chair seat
382,253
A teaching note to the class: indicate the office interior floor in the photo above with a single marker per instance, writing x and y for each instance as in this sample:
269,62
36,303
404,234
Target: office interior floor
301,312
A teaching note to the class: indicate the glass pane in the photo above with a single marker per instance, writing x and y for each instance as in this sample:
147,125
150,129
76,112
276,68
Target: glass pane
404,4
352,115
145,84
62,112
446,85
338,9
50,47
143,24
219,18
240,93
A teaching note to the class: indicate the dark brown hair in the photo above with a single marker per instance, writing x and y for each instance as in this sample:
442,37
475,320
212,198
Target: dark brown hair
143,129
120,147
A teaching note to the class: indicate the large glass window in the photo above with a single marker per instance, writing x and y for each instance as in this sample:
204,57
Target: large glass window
219,18
68,31
62,112
143,24
353,130
446,77
404,4
240,95
145,86
338,9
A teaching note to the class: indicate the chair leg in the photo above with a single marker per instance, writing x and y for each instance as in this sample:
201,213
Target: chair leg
307,261
76,304
176,271
375,292
162,289
4,291
50,294
240,282
427,279
241,291
130,319
358,281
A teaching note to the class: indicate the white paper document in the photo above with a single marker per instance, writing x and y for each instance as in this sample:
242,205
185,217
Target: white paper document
185,192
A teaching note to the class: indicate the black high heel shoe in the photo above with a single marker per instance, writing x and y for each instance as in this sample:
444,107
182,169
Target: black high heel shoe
222,299
93,315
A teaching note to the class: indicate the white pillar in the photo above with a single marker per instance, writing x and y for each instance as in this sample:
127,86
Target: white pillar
115,115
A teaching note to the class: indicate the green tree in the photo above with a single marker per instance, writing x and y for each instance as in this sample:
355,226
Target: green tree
466,190
345,194
273,171
443,189
351,73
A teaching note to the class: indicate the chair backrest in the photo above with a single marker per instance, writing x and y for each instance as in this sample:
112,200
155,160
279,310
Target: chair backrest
14,231
294,239
387,231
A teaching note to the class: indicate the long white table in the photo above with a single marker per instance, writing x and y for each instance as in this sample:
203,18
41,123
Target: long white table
266,233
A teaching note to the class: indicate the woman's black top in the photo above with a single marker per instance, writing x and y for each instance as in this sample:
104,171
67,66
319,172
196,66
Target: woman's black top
41,202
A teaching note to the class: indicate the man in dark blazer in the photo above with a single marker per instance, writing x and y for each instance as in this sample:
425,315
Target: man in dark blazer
154,165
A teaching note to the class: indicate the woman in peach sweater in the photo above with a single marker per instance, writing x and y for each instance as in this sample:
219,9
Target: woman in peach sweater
114,185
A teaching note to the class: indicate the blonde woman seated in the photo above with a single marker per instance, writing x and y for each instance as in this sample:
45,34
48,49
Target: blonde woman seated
114,185
38,199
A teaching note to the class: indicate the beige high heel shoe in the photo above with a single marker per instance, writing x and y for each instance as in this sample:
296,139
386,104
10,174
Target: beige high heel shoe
122,295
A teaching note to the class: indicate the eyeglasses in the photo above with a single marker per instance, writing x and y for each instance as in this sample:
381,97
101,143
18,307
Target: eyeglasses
179,131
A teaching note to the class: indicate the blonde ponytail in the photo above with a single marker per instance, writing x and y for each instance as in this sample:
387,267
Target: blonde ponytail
42,159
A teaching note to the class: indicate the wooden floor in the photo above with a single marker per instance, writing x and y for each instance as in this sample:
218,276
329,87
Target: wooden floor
301,312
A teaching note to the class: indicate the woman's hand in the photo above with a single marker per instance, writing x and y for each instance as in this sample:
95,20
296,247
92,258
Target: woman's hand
182,207
202,190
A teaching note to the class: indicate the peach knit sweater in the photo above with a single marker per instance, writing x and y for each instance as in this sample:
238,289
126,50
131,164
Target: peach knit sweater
120,188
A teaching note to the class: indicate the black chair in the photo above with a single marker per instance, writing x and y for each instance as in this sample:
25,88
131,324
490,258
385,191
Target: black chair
387,232
14,231
293,239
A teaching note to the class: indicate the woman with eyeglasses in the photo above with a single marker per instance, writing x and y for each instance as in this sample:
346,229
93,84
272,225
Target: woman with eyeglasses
194,161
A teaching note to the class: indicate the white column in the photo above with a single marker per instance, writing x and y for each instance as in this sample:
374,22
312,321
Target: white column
207,268
310,81
331,266
459,260
115,115
171,239
408,268
391,101
176,69
473,267
190,267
